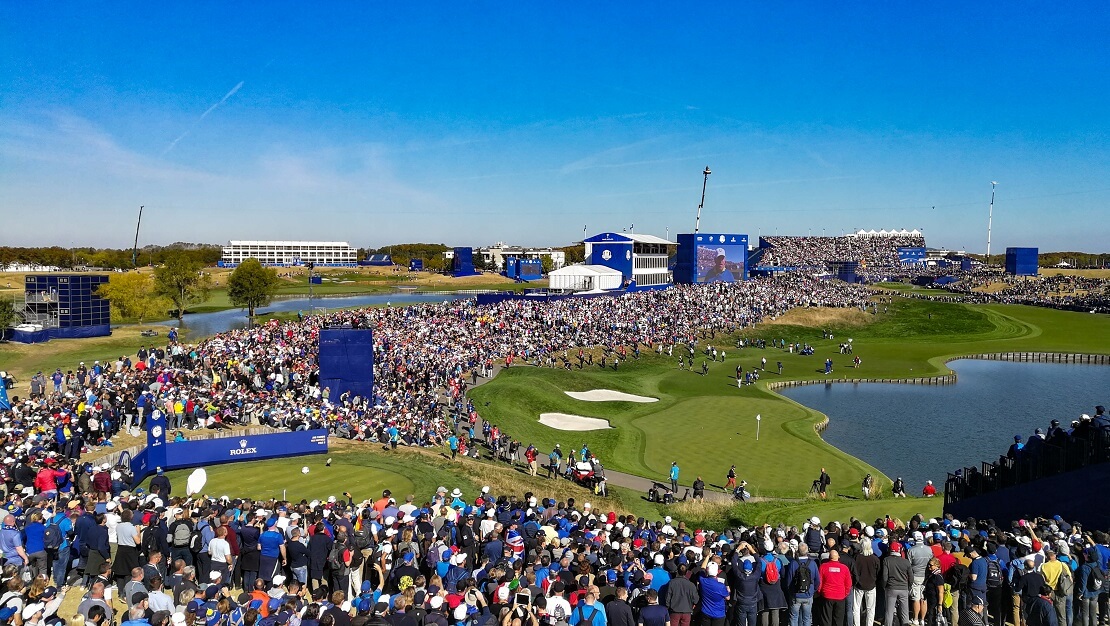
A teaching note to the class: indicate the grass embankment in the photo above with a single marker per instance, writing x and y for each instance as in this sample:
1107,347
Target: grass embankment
706,423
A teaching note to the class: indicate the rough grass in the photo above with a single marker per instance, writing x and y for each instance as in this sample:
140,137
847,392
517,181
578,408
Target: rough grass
23,360
822,317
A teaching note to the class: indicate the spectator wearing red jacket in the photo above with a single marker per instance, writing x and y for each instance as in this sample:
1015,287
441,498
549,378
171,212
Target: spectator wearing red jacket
46,481
836,584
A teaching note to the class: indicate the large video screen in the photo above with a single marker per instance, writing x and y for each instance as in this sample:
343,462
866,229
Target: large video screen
721,262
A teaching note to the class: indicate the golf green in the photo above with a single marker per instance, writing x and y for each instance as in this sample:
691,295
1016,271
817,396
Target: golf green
363,474
706,423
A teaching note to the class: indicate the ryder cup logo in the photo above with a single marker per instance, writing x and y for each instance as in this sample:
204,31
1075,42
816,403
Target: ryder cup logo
243,449
722,238
606,255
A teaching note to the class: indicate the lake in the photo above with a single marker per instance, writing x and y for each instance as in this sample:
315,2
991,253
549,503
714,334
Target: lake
922,432
208,324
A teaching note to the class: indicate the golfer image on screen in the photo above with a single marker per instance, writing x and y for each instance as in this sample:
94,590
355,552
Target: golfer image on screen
719,272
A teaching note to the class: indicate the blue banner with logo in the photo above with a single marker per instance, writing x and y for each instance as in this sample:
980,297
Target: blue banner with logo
203,452
200,452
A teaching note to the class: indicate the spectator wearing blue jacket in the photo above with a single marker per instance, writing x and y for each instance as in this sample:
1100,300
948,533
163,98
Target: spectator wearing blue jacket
1087,598
801,599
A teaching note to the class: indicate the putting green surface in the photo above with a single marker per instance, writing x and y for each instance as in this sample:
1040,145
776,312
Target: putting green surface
706,423
364,474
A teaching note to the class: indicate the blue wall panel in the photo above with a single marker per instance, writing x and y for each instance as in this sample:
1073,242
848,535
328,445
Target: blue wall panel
1022,261
347,361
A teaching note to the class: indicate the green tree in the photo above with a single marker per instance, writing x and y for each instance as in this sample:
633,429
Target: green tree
251,285
8,316
546,264
133,297
181,279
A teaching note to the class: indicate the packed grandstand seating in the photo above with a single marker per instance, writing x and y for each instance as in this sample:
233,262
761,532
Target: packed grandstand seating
873,251
1059,291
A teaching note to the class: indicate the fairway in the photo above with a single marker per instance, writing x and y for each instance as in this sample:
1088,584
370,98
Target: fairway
706,423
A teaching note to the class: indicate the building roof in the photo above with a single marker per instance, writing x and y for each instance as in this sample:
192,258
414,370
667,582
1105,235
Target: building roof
249,242
628,238
585,270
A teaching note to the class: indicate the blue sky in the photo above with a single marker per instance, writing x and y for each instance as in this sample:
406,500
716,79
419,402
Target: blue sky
470,123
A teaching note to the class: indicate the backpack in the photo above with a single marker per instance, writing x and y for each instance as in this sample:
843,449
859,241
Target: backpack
52,537
335,557
7,611
994,574
361,537
1065,585
196,540
958,576
583,620
771,571
1095,579
803,580
149,540
180,535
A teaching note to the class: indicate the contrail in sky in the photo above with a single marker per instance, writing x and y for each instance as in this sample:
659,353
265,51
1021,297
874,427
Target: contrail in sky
204,115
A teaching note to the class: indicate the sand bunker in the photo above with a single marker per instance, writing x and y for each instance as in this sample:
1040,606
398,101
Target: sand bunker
608,395
564,421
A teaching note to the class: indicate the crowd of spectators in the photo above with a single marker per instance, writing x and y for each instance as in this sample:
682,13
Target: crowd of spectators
1057,291
456,558
482,558
873,252
1046,452
425,356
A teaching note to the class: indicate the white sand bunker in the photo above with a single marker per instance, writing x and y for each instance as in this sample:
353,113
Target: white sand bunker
565,421
608,395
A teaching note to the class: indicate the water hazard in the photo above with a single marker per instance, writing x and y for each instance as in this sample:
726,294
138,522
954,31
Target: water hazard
922,432
208,324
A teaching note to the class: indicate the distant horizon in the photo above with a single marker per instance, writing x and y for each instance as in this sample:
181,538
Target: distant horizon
482,123
753,243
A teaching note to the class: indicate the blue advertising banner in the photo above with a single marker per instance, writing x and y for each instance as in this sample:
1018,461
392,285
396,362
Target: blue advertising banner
617,255
199,452
156,440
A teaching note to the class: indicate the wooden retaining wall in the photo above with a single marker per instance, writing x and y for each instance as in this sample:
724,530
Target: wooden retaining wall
947,379
1042,357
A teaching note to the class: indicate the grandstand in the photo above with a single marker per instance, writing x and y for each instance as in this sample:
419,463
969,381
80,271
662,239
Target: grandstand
872,249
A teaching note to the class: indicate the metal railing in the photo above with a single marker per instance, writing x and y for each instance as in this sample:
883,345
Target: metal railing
1050,460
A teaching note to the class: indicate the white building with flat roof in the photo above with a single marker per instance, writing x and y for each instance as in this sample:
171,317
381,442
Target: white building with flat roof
285,253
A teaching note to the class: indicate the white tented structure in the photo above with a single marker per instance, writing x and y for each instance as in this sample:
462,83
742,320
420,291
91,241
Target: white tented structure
584,278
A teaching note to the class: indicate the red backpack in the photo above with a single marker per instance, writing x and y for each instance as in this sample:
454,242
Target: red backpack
771,571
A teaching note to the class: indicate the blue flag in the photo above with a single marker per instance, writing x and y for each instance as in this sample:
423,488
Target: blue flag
4,403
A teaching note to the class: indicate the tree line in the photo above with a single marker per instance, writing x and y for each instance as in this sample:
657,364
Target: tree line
108,258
